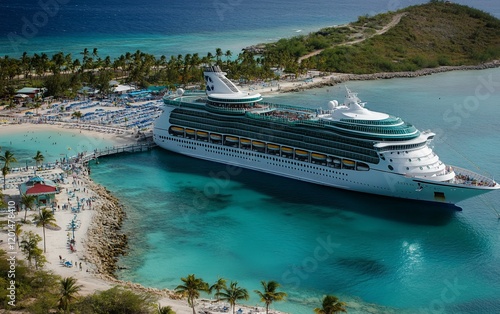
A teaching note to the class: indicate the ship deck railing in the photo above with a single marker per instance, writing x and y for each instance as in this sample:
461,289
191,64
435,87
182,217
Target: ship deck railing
470,178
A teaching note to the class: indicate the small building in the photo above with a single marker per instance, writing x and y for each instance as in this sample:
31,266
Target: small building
32,92
88,91
44,190
122,89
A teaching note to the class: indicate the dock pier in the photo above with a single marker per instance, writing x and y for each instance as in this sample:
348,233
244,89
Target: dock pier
129,148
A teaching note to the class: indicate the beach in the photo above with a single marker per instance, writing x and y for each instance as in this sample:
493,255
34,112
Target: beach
87,240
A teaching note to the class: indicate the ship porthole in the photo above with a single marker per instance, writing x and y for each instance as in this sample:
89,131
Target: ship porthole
390,167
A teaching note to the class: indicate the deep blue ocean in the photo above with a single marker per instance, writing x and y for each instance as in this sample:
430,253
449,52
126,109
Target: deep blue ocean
190,216
172,27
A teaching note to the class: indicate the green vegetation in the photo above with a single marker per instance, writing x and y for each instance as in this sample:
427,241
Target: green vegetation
191,289
28,202
427,36
46,217
218,286
270,295
7,159
233,294
29,246
117,300
331,305
38,158
39,291
68,292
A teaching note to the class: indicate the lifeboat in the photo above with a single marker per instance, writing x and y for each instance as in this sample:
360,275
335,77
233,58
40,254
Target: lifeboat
318,156
286,150
361,166
215,137
232,139
245,141
201,133
189,132
348,162
177,129
272,147
301,153
257,144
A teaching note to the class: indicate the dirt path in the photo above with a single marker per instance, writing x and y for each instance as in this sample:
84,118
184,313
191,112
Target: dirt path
394,22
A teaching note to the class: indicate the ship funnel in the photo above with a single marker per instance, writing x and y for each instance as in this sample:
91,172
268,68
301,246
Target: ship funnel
217,83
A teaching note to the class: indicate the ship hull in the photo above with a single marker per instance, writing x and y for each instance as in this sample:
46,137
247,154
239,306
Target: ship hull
372,181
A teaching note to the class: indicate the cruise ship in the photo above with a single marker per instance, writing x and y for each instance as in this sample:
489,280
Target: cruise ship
346,146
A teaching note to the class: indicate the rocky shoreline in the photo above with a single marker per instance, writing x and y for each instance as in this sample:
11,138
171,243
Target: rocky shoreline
105,242
338,78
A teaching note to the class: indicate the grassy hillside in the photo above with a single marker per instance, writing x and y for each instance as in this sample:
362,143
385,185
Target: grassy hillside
428,35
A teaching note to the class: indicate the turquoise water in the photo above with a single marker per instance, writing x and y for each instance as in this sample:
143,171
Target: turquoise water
191,216
53,145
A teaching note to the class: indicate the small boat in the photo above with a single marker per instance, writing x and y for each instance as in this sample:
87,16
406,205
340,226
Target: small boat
189,132
232,139
177,129
348,162
245,141
286,150
301,153
201,133
318,156
272,147
257,144
215,137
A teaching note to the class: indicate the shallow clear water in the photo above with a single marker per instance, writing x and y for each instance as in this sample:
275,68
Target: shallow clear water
191,216
53,145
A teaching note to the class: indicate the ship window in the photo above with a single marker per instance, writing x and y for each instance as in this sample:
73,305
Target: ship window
409,159
390,167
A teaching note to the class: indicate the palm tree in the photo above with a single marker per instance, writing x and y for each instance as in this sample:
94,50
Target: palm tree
165,310
46,217
7,159
191,289
218,55
331,305
77,114
29,246
68,292
38,158
218,286
18,232
29,202
269,295
5,172
228,55
233,294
